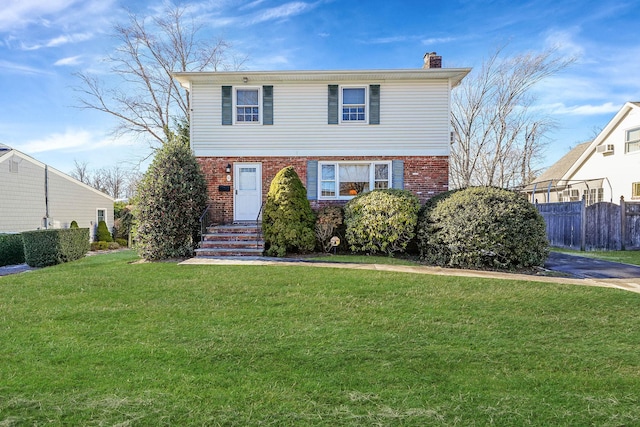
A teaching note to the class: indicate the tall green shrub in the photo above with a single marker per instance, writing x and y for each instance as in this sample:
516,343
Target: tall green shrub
486,227
43,248
287,219
381,221
11,249
103,235
169,201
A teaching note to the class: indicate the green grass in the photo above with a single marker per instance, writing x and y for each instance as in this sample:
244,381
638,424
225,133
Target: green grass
101,341
626,257
364,259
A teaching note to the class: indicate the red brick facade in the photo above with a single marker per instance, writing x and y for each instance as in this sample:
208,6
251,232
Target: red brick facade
424,176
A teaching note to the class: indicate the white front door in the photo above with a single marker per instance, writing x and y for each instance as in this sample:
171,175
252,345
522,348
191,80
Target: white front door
247,185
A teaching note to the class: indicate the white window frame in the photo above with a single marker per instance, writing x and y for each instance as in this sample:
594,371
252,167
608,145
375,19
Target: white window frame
235,104
635,142
106,220
366,105
372,176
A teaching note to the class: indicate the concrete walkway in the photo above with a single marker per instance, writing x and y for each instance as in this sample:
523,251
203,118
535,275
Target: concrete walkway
627,283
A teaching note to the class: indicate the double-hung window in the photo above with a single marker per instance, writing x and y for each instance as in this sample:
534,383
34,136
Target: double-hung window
632,142
344,180
354,105
248,105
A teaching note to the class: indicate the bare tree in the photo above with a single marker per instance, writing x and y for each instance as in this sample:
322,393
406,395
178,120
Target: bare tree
80,171
497,137
148,99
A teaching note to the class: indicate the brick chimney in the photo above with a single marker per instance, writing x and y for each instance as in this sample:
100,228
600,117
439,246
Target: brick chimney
431,60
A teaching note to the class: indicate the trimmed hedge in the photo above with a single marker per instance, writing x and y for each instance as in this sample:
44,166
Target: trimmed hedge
43,248
483,227
11,249
104,235
381,221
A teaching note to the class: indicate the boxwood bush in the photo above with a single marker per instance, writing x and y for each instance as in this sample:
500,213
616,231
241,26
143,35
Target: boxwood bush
287,220
11,249
483,227
43,248
381,221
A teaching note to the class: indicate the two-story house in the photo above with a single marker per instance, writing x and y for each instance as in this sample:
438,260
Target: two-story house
604,169
344,132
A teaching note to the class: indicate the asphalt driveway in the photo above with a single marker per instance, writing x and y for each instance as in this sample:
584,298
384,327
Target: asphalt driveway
589,268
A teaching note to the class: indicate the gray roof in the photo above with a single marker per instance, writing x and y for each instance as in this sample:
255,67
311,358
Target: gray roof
559,169
5,147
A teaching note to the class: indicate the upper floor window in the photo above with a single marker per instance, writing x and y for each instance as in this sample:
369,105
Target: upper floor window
632,142
248,105
344,180
353,104
635,190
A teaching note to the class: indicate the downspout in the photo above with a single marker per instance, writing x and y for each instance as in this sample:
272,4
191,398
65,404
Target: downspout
46,196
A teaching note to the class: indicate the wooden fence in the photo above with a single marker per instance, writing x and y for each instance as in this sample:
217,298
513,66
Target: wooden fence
600,226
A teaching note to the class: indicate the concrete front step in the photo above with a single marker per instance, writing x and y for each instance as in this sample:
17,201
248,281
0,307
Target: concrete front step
230,237
249,244
235,229
227,252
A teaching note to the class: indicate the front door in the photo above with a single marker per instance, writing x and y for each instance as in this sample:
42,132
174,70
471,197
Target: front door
247,185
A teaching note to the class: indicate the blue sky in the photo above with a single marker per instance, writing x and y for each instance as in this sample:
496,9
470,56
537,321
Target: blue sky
43,42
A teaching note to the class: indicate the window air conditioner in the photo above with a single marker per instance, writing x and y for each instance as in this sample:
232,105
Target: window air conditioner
605,149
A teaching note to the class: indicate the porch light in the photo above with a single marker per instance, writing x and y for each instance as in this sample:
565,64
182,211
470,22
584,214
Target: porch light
228,168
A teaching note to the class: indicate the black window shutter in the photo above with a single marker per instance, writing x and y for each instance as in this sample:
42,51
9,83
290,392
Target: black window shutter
227,105
333,105
312,179
397,174
374,104
267,105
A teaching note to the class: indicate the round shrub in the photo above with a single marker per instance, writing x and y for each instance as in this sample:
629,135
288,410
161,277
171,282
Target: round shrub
287,219
485,227
381,221
430,248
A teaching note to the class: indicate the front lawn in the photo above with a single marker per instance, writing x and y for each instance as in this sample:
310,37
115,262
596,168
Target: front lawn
101,341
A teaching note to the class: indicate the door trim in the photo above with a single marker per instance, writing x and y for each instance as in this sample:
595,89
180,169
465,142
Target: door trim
236,183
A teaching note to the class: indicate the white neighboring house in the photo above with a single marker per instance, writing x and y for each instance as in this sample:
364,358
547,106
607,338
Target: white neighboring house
35,196
604,169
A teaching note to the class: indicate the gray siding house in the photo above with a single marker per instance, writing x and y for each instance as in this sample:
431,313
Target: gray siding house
35,196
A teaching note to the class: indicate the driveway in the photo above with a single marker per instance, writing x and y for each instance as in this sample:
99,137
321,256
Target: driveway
589,268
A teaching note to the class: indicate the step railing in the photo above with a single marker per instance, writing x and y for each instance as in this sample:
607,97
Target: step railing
205,221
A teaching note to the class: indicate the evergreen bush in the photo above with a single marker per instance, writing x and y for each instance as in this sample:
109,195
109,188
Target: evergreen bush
43,248
73,224
430,248
287,220
11,249
484,227
103,235
381,221
169,201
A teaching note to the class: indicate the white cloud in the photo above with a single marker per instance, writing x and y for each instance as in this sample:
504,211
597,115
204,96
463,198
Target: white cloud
13,67
20,13
284,11
59,41
71,60
581,110
72,140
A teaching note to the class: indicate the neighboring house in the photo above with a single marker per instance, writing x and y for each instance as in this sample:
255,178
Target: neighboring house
604,169
36,196
344,132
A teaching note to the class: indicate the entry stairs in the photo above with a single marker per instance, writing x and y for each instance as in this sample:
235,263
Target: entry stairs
233,240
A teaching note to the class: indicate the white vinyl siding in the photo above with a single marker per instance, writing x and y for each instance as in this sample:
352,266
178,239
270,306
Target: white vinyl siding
414,121
23,199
